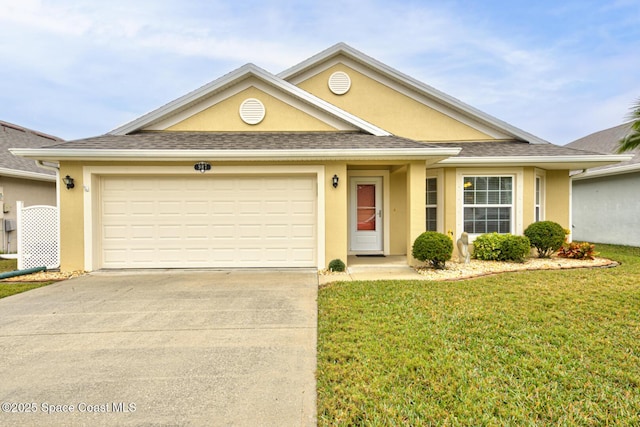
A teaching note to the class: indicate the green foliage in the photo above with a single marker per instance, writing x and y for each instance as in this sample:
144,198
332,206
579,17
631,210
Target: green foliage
546,237
631,141
515,248
435,248
501,247
577,250
337,265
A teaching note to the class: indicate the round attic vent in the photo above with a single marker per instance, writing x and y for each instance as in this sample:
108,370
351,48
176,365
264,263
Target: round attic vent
252,111
339,83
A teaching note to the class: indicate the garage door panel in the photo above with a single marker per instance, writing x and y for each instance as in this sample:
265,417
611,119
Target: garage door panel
150,222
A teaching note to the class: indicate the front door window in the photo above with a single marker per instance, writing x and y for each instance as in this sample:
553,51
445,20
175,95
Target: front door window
366,205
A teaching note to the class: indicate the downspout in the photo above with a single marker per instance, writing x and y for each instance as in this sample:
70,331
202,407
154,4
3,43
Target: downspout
56,169
570,238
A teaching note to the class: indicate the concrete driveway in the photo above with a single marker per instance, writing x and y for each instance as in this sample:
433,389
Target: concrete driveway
162,348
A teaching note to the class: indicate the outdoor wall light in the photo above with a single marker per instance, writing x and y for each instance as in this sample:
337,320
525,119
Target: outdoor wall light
335,180
69,182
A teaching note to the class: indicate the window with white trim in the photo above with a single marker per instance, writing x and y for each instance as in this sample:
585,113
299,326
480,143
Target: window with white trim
488,204
539,212
432,204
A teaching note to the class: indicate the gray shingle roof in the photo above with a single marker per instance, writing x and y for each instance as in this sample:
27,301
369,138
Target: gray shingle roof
243,141
514,149
606,141
13,136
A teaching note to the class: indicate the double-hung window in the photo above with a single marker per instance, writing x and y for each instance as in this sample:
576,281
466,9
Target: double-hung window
488,204
432,204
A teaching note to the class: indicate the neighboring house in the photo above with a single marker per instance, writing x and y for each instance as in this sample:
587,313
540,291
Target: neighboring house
606,200
21,179
338,155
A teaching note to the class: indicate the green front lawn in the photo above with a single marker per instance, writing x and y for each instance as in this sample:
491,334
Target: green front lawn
530,348
10,288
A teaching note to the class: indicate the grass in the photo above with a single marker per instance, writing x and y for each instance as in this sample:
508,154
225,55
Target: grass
521,349
12,288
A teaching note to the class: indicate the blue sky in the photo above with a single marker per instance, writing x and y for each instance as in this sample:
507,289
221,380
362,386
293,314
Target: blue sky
559,70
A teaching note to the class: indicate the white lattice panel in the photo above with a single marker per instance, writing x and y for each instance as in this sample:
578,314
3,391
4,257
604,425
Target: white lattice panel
38,237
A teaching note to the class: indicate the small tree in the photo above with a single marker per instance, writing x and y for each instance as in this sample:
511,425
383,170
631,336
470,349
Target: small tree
435,248
545,236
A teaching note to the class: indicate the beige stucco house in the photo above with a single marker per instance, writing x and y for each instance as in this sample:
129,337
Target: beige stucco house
337,155
22,179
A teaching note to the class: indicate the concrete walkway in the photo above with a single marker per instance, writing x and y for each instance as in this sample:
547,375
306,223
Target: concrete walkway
374,268
162,348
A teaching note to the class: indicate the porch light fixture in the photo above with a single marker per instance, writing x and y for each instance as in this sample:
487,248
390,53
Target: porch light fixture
69,182
334,181
202,167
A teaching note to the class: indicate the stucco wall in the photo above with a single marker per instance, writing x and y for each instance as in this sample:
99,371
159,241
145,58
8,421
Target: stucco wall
224,116
558,197
390,109
606,210
71,219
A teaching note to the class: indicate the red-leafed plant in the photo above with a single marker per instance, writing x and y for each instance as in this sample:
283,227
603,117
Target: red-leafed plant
578,250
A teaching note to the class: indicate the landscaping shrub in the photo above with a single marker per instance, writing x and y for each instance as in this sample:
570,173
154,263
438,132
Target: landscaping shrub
435,248
515,248
501,247
546,237
337,265
577,250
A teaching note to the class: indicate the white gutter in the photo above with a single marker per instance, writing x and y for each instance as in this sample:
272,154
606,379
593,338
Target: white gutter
233,155
614,158
56,169
14,173
618,170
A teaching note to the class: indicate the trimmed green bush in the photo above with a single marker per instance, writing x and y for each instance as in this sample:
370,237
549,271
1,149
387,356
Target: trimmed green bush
515,248
501,247
546,237
434,248
337,265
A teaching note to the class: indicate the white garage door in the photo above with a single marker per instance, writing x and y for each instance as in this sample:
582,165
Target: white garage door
207,221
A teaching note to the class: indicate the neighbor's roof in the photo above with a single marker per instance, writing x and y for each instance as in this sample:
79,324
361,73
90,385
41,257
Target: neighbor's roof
607,141
243,146
14,136
517,153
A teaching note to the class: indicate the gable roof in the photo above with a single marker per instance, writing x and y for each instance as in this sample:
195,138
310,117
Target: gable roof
607,141
14,136
421,88
232,78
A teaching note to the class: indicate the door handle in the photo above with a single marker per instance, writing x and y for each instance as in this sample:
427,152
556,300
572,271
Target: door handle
379,213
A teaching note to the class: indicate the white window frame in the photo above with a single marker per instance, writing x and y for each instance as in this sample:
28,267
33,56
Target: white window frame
431,205
438,174
539,195
517,174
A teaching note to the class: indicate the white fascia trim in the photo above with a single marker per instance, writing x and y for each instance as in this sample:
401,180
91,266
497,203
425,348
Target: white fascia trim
619,170
342,48
235,155
234,77
14,173
613,158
